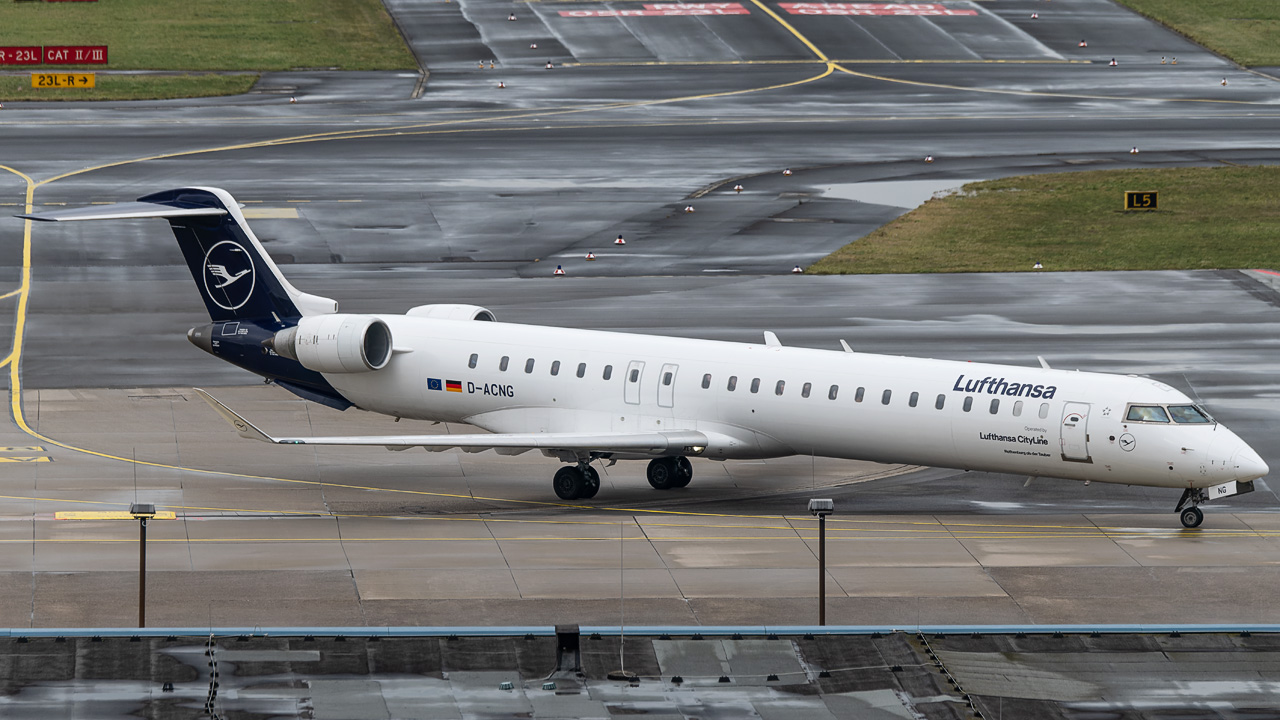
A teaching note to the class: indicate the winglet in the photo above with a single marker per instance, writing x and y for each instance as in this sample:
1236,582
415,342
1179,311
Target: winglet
846,347
771,339
245,428
1043,363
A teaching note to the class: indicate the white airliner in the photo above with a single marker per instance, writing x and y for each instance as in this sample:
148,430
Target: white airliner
582,396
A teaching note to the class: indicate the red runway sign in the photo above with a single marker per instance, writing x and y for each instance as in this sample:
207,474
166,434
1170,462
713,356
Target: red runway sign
75,54
665,10
20,55
900,9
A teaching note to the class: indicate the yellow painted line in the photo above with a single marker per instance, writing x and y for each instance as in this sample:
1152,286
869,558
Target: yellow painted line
20,459
28,448
109,515
821,55
270,213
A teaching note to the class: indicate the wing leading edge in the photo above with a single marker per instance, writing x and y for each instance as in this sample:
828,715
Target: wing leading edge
682,442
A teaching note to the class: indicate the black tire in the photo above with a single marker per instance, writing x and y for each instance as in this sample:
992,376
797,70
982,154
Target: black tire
1192,517
590,484
569,483
684,472
661,473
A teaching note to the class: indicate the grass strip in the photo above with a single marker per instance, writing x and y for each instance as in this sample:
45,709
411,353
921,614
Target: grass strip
1247,31
131,87
1219,217
251,35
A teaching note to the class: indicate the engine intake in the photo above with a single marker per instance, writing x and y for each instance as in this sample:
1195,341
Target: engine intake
336,343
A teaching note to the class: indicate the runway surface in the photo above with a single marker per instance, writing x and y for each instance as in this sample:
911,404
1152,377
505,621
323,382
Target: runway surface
471,193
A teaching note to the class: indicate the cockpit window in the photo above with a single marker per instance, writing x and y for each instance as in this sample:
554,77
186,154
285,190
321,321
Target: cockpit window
1147,413
1188,414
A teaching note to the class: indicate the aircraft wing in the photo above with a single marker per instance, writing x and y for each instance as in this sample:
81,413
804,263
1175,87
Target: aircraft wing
680,442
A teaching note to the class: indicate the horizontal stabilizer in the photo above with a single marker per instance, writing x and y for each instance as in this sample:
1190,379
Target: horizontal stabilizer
658,443
124,211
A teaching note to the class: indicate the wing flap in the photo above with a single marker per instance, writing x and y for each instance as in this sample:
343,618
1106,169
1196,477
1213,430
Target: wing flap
657,443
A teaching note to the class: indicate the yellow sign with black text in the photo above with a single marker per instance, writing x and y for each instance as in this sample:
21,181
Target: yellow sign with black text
1140,200
78,81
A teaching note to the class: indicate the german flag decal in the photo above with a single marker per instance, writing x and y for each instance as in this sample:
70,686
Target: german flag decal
453,385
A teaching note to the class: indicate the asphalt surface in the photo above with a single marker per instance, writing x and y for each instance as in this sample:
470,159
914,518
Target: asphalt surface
386,193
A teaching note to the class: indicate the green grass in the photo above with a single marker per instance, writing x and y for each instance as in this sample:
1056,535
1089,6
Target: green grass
250,35
1247,31
1221,217
133,87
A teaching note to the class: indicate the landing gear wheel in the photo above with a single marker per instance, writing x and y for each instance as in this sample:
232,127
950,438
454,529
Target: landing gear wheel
662,473
684,472
591,483
1192,517
569,483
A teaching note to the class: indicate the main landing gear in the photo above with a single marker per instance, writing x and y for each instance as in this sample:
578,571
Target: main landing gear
670,472
576,482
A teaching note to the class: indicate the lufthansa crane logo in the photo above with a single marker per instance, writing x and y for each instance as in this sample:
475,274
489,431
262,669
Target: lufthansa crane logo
228,275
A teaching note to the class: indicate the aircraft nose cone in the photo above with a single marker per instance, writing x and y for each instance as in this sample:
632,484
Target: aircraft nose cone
1247,464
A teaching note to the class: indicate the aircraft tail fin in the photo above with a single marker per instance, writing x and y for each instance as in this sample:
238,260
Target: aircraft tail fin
233,272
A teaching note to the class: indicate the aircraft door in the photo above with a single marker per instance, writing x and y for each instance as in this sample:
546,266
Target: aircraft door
1075,432
667,385
631,383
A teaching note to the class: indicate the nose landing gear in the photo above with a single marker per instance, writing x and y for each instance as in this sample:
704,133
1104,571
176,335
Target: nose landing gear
1188,507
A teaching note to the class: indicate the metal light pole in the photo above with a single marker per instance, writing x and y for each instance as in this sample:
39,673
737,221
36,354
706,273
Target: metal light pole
822,507
142,512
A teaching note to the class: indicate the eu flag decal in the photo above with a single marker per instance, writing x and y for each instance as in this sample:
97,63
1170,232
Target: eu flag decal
453,385
434,384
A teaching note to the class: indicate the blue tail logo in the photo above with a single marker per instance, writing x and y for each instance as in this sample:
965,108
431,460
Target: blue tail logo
225,265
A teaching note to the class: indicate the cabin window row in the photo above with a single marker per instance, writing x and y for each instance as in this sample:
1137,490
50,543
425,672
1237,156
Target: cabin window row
886,397
530,364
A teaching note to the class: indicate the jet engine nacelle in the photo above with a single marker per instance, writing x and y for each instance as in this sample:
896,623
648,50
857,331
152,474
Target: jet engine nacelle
453,312
336,343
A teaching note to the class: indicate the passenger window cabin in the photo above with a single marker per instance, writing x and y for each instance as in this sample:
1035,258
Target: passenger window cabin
635,375
857,395
608,372
555,367
777,389
831,394
913,399
885,397
733,383
1044,410
706,381
582,369
755,385
502,364
995,405
805,389
475,358
940,402
1017,408
968,403
528,365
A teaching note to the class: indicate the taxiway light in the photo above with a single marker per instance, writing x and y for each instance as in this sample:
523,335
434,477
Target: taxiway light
533,46
787,172
480,64
737,188
549,65
1035,16
1037,266
620,241
293,100
502,85
797,270
591,255
491,64
1224,82
1084,44
1174,61
1133,150
1112,63
559,271
928,158
1162,60
511,17
688,208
